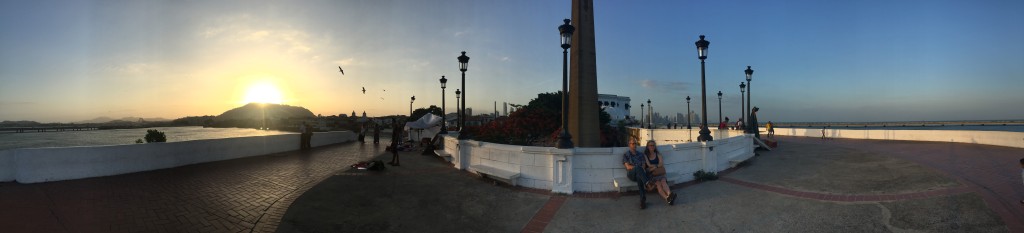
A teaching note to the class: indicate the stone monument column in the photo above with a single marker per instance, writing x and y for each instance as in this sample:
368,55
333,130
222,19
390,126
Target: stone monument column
583,110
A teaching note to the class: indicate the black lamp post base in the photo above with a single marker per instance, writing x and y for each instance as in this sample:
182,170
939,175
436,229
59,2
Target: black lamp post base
564,141
705,135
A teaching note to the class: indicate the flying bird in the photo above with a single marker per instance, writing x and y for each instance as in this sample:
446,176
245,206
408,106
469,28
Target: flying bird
364,90
341,70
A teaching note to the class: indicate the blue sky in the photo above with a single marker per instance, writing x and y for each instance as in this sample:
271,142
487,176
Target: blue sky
813,60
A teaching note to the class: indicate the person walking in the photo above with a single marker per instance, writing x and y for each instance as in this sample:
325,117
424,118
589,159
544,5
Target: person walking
309,136
362,133
376,133
302,136
739,125
396,135
724,124
753,123
635,161
771,129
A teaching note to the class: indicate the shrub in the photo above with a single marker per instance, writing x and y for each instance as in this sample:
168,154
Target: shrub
155,136
702,175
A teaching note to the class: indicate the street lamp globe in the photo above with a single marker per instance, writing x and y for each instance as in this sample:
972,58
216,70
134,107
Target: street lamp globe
566,31
444,82
702,48
463,62
749,72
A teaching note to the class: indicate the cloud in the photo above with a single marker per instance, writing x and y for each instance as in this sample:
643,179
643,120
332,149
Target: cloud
15,103
248,31
673,86
505,59
133,68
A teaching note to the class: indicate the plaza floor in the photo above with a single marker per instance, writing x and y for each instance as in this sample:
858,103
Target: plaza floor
806,185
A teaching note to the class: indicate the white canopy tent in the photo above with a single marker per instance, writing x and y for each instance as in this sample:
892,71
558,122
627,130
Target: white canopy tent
426,127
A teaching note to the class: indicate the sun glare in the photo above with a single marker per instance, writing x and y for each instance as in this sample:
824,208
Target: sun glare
263,93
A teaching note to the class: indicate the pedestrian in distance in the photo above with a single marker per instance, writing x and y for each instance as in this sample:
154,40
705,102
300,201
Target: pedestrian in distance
771,129
396,136
724,124
302,136
309,136
376,133
753,123
362,133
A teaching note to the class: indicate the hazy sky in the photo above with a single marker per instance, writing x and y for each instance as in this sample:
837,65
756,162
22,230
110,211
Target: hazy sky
813,60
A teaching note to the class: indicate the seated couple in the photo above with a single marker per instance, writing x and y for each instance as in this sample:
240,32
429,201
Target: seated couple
648,170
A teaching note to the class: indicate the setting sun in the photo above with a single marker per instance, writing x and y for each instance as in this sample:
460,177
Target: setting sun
263,93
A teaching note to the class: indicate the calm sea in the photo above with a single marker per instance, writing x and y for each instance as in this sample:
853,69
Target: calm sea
10,140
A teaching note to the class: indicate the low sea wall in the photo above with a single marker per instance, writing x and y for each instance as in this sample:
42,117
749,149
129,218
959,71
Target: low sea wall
32,165
667,136
593,169
997,138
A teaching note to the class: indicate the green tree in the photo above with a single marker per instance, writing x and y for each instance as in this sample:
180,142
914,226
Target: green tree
155,136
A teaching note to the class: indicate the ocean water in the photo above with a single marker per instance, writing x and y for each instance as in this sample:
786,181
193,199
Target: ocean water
10,140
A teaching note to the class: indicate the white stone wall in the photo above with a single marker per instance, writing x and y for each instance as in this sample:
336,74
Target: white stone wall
31,165
593,169
996,138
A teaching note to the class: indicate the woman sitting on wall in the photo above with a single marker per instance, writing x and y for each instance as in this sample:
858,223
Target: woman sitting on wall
656,167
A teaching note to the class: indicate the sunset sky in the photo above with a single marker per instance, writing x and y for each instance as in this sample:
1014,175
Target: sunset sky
814,60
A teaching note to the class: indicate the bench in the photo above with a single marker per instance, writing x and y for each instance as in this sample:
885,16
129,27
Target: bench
623,184
443,154
496,174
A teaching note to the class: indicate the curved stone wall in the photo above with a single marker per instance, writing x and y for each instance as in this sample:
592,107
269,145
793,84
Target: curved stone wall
593,169
31,165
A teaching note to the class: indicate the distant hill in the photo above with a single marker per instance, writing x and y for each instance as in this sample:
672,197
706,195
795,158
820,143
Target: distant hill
128,119
260,111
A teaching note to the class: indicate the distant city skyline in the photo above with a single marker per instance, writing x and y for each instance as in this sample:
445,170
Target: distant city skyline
814,61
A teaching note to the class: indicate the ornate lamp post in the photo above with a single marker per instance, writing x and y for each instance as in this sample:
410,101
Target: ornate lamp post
413,99
643,118
444,118
650,115
719,107
463,65
458,112
702,53
688,113
750,85
743,108
565,30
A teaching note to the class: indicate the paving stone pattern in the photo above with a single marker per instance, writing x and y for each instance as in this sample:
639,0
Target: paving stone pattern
242,195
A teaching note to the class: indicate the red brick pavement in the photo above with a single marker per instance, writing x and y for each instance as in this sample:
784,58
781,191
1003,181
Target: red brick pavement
242,195
991,171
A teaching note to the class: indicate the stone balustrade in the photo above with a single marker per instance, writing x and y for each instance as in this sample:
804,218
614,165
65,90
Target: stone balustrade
32,165
592,169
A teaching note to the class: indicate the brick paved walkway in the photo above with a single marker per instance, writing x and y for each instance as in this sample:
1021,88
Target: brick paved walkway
242,195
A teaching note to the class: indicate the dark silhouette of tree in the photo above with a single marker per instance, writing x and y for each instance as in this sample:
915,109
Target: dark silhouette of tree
155,136
416,114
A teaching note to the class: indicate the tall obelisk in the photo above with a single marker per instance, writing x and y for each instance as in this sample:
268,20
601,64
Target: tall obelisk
583,110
